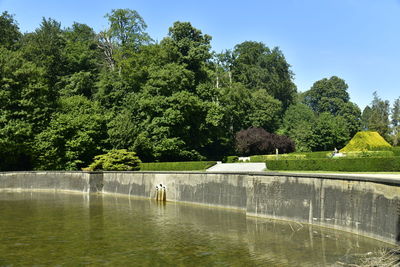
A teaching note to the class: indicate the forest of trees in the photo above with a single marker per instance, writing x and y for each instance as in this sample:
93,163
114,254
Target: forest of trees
69,94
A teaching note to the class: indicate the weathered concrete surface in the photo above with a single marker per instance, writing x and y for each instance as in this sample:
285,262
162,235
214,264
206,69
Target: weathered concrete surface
361,207
237,167
67,181
203,188
360,204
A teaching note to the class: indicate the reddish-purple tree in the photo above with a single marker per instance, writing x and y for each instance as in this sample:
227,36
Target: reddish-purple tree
257,141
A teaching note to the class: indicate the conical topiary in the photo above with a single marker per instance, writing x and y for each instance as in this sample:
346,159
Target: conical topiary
366,141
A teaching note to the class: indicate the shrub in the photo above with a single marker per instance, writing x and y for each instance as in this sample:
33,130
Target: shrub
177,166
263,158
369,154
365,141
116,160
337,164
318,154
230,159
256,141
396,150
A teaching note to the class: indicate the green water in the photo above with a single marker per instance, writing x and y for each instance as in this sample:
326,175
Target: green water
56,229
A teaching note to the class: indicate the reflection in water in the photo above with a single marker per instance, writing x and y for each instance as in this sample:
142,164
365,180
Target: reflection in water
398,229
71,229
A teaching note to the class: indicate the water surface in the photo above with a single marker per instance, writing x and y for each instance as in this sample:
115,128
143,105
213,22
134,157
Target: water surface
57,229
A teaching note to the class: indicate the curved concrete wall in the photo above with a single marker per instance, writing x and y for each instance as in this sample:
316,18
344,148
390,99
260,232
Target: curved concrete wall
363,205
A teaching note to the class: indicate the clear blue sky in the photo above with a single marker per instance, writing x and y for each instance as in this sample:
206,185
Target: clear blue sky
357,40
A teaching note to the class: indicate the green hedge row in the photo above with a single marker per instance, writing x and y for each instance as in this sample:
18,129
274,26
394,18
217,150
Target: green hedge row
230,159
177,166
388,164
370,154
263,158
396,150
296,155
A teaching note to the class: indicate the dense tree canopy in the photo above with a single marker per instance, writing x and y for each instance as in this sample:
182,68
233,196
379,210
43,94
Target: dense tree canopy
259,67
69,94
9,31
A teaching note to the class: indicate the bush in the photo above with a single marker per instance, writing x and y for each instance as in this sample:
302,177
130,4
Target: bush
263,158
318,154
396,150
230,159
366,141
337,164
369,154
177,166
116,160
256,141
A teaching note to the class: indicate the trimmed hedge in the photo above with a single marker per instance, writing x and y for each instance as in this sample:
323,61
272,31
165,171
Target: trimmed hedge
396,150
367,140
177,166
296,155
230,159
388,164
263,158
318,154
369,154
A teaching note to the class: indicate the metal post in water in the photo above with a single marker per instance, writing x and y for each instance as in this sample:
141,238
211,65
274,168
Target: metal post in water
157,192
164,190
161,193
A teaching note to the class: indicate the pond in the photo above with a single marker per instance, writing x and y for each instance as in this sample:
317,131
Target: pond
59,229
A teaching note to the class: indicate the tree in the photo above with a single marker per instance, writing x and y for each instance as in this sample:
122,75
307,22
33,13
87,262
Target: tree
365,118
257,141
395,116
327,95
264,111
258,67
9,31
298,123
45,47
127,28
352,115
188,46
223,68
329,132
379,117
76,133
25,107
82,62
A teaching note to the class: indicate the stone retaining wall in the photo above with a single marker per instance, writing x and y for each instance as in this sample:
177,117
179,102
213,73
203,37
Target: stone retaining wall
362,205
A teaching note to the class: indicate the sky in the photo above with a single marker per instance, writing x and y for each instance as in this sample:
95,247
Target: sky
357,40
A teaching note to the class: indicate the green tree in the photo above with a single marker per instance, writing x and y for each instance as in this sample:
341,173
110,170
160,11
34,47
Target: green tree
264,111
189,47
298,123
45,47
365,118
9,31
76,134
379,118
25,108
352,115
258,67
82,62
329,132
395,121
127,28
327,95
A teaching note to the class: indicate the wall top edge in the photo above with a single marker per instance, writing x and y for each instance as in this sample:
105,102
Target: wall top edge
375,178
